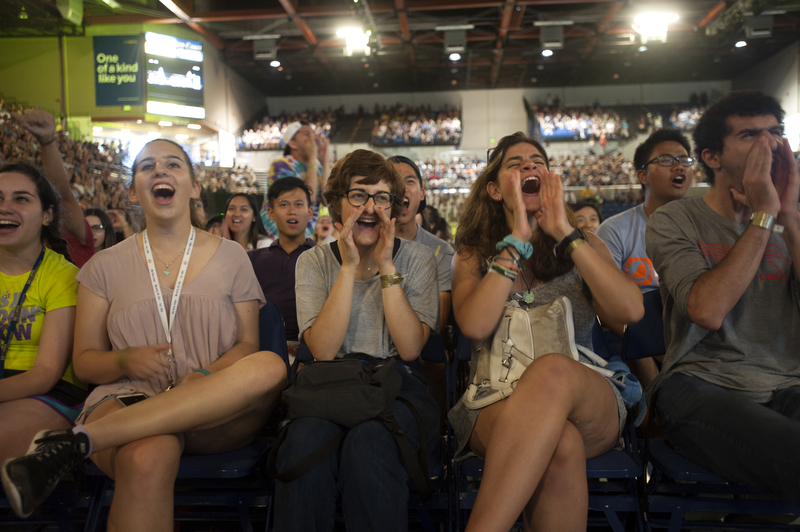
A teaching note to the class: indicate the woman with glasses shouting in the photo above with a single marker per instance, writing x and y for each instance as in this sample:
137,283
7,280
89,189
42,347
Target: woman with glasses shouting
374,294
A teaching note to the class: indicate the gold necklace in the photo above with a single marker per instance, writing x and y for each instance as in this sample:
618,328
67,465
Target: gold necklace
359,275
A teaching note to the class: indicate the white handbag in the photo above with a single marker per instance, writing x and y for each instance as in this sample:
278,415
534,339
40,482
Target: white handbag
521,337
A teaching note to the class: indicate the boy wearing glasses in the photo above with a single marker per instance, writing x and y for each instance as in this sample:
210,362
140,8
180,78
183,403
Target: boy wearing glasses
728,395
664,168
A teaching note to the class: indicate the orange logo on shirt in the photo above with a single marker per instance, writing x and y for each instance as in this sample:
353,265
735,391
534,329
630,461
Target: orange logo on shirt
640,270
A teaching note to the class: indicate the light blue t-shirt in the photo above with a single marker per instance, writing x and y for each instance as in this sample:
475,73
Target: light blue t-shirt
624,236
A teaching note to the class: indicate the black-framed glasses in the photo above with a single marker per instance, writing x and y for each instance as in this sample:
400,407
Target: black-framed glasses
669,160
97,227
358,197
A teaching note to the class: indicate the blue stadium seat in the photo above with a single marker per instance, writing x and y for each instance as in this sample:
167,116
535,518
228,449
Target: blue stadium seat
612,478
681,495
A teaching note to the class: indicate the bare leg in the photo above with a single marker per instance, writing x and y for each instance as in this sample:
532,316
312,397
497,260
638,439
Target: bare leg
21,420
519,435
145,473
562,499
200,404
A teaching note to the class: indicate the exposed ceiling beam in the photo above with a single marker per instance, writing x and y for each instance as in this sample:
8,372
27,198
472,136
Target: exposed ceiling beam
405,31
183,12
718,8
209,35
505,22
333,10
517,18
308,35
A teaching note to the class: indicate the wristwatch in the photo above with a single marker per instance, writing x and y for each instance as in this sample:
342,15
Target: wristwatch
569,243
765,221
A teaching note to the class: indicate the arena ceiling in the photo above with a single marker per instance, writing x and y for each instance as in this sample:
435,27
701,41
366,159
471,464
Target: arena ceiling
503,47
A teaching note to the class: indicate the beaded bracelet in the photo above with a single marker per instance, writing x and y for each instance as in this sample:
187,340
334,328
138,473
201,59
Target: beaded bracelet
525,249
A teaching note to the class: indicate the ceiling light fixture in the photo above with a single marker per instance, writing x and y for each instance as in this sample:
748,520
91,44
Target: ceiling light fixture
97,129
540,23
741,44
643,48
181,136
194,126
653,26
547,53
164,123
455,27
355,39
275,64
455,57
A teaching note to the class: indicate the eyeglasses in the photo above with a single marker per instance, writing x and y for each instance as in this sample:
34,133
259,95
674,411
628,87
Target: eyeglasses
669,160
97,228
358,197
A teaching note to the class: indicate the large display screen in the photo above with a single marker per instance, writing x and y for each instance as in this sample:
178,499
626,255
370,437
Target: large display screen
174,76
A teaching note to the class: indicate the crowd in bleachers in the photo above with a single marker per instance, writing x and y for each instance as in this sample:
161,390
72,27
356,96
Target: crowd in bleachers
686,118
94,168
267,133
416,125
234,180
581,123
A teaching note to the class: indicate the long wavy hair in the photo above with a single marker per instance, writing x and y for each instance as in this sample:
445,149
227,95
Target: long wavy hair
483,220
257,229
48,197
138,213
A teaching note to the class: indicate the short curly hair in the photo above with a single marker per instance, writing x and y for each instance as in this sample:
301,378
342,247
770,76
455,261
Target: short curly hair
713,127
374,168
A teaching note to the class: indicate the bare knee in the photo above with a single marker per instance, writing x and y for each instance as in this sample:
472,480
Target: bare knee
149,463
261,373
551,374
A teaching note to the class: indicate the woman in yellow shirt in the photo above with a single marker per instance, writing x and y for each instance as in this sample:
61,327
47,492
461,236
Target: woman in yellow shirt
38,388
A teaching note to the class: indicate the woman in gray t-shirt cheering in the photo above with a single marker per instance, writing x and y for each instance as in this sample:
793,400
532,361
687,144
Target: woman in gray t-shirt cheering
366,293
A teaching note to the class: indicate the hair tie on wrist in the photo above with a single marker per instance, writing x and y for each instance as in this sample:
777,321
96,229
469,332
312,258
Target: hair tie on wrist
49,142
204,371
525,249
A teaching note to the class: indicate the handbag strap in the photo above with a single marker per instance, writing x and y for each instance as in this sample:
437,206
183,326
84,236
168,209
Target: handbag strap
12,324
417,469
307,463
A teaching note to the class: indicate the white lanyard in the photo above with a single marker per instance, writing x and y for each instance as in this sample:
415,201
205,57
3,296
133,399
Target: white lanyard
176,293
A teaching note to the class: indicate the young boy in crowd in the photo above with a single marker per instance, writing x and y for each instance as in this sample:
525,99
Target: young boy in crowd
728,393
289,207
664,168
